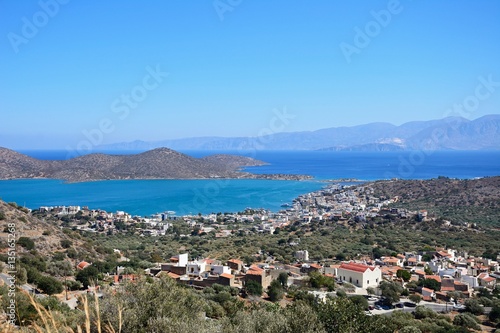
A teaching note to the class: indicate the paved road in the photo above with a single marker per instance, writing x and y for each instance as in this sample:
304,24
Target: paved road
437,307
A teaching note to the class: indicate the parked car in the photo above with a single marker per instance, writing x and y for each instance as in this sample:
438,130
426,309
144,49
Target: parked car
400,305
410,304
371,307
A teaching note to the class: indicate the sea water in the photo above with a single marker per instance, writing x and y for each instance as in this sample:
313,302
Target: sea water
145,197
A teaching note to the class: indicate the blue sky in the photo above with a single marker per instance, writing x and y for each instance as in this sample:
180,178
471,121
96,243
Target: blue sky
65,66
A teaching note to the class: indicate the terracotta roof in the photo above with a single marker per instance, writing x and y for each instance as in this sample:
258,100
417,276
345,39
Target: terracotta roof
227,276
434,277
412,259
482,275
444,254
173,275
254,272
427,290
391,260
82,265
255,268
236,261
488,279
316,266
352,266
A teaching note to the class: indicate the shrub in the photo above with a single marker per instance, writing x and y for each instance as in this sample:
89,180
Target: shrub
253,288
466,320
2,215
275,291
26,242
473,306
66,243
49,285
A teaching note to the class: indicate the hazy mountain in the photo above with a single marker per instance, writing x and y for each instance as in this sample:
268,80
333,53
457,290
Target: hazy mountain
449,133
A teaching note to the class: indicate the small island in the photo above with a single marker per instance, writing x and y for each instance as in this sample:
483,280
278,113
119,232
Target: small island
160,163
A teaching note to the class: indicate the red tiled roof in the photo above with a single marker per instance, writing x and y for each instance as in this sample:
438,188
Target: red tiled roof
427,290
173,275
391,260
255,268
447,288
352,266
236,261
254,272
82,265
488,279
434,277
444,254
227,276
316,266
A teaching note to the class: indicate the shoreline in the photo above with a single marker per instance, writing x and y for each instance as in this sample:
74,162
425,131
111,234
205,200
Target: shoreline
285,205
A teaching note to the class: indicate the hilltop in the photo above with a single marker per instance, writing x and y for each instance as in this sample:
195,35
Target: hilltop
160,163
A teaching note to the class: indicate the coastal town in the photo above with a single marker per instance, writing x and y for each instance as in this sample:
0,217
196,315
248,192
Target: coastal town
437,277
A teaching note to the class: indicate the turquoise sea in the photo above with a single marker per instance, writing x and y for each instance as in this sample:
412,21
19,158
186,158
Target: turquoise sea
145,197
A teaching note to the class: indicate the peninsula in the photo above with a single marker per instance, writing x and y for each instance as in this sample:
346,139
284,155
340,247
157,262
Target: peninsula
160,163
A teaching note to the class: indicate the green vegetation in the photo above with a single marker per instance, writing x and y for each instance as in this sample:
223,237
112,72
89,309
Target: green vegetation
26,242
318,280
253,288
275,291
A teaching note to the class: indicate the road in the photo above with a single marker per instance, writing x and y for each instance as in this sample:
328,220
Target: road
437,307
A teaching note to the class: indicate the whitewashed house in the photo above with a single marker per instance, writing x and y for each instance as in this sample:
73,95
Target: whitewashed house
360,275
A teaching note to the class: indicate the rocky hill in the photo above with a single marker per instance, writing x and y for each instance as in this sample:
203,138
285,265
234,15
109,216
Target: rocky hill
466,200
46,236
160,163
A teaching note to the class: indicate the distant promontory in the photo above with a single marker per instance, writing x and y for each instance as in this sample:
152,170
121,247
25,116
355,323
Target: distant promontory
160,163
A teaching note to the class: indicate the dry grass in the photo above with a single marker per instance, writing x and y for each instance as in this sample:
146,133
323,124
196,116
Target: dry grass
49,324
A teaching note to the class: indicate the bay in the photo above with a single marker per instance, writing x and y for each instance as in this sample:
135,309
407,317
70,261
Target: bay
144,197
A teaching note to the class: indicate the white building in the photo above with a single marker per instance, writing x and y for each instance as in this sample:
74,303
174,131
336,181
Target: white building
220,269
196,267
302,255
360,275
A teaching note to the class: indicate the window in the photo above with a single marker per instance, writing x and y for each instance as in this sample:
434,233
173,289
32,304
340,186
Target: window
367,281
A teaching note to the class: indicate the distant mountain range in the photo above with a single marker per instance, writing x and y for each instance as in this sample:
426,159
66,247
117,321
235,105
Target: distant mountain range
160,163
452,133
